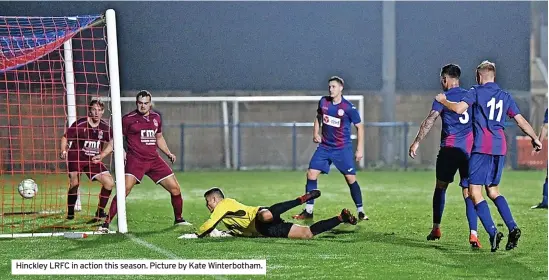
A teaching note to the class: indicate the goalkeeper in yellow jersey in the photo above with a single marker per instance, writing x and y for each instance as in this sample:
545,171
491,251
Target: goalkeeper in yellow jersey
257,221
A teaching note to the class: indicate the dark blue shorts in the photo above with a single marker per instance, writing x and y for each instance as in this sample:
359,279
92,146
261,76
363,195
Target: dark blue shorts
485,170
449,161
343,159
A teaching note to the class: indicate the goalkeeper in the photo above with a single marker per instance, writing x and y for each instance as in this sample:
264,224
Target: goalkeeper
249,221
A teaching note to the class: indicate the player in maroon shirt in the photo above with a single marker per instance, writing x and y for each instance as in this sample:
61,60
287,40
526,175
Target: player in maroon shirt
82,141
142,130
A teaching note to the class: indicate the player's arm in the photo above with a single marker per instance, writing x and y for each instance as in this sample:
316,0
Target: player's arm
106,151
360,141
424,129
219,212
528,130
317,124
70,133
354,116
542,132
543,129
163,146
458,107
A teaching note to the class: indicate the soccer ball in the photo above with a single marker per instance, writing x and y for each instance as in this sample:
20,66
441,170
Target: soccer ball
28,188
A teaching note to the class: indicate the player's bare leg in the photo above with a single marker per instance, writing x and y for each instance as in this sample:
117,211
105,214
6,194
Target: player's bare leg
72,195
312,177
483,212
107,184
439,198
471,218
505,213
356,194
172,186
303,232
130,183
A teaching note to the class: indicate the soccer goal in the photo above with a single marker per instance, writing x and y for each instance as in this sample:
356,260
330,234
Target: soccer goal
50,69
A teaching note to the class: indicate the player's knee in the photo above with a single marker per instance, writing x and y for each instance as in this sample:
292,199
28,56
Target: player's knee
307,234
265,216
351,179
475,191
493,192
465,193
312,174
441,184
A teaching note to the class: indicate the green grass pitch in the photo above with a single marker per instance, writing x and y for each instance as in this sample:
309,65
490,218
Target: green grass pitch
391,245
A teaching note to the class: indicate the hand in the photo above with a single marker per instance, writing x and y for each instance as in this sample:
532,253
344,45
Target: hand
97,159
63,155
188,236
171,157
317,138
218,233
358,155
536,144
441,97
413,149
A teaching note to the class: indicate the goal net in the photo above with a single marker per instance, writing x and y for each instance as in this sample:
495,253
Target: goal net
50,69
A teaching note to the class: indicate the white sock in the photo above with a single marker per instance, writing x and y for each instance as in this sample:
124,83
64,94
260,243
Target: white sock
360,209
474,232
309,208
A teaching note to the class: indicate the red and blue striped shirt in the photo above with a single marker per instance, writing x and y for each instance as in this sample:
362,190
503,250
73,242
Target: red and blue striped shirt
457,130
336,122
489,102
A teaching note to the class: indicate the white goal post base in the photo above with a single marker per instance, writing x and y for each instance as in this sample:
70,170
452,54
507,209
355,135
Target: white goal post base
52,234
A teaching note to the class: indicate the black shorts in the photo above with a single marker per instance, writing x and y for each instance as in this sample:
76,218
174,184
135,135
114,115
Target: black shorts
276,228
449,161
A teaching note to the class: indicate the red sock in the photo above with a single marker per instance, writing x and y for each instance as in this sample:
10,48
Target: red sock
104,198
177,203
112,210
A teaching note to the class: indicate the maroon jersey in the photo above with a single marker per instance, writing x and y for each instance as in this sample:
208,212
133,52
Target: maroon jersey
86,141
140,132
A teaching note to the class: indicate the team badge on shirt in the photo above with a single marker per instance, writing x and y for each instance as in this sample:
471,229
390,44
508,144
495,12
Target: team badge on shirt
100,135
155,122
340,112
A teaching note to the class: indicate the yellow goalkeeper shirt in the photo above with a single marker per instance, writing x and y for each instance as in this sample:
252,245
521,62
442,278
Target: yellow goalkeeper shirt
237,217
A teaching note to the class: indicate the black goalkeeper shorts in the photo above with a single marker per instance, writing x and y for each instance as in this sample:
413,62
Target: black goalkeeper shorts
277,228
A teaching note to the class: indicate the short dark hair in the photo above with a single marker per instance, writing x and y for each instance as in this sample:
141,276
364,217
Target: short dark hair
337,79
214,191
98,102
143,93
451,70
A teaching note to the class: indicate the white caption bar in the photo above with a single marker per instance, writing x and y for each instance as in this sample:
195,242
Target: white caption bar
138,267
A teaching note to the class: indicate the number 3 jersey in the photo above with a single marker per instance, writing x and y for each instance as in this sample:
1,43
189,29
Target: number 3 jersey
140,132
489,103
86,141
336,122
457,129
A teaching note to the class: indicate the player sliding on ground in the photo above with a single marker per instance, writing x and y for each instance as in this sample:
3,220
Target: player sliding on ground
336,115
82,141
256,221
142,130
487,161
456,142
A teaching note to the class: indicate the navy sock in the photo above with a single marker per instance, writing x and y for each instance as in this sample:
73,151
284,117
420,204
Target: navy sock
471,214
439,198
311,185
505,212
544,201
483,212
356,194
